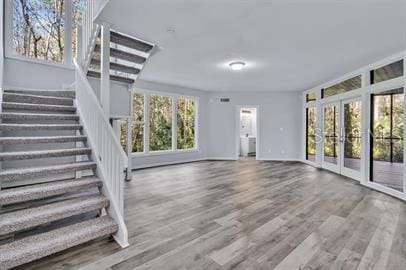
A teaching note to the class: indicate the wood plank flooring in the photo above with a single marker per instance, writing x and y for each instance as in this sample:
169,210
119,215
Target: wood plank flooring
248,215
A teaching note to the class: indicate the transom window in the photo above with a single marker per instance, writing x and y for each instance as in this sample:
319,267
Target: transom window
311,96
342,87
387,72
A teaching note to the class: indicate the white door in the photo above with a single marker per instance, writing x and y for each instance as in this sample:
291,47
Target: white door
342,138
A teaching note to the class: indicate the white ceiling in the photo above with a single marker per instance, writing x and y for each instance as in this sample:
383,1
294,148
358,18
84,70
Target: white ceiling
289,45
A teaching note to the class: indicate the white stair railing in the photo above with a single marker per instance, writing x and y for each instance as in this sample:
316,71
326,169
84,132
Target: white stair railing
106,151
89,31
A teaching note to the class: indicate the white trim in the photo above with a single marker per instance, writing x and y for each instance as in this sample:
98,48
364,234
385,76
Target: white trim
158,164
221,158
237,129
164,152
283,159
40,61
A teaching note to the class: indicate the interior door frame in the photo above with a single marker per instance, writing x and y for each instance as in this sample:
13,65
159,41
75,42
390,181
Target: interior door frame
356,175
237,130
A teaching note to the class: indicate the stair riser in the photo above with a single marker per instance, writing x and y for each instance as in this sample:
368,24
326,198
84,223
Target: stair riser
53,244
5,127
43,173
123,55
37,107
16,141
130,43
49,216
36,100
48,93
25,196
32,117
53,154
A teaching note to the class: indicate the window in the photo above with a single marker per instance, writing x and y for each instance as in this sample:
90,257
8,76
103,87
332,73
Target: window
138,123
342,87
38,28
160,123
387,116
387,72
311,96
186,123
311,134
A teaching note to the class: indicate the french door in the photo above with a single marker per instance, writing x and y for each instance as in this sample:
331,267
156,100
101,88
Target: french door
342,137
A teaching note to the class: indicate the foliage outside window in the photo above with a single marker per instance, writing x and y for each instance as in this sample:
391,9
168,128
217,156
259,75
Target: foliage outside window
160,123
138,123
186,112
331,132
38,28
387,121
311,133
387,72
342,87
352,129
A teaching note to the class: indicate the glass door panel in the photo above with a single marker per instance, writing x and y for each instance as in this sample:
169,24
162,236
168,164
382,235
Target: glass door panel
351,139
331,133
387,118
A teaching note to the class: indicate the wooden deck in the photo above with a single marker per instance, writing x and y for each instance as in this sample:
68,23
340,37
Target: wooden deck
248,214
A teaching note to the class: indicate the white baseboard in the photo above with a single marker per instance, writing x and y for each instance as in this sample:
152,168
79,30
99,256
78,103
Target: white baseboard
157,164
221,158
279,159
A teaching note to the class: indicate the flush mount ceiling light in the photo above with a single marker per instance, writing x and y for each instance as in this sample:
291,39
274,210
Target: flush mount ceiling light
236,66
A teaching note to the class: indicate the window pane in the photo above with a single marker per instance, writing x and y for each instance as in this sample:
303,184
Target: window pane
387,138
342,87
186,123
38,29
160,123
79,7
311,96
138,107
331,134
311,134
352,132
387,72
138,138
123,134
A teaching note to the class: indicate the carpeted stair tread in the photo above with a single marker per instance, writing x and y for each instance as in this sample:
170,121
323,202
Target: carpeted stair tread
42,139
32,217
37,107
41,191
13,127
23,173
33,99
41,245
20,155
48,93
37,116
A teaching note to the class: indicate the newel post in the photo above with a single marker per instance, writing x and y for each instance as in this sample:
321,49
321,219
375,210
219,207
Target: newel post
105,69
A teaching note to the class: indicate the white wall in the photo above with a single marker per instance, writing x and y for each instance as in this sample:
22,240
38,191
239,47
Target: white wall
279,124
119,96
169,158
1,44
30,74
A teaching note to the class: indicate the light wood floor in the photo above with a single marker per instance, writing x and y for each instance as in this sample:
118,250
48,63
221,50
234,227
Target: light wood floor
248,215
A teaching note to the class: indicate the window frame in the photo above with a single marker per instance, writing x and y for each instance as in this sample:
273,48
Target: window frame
68,28
147,94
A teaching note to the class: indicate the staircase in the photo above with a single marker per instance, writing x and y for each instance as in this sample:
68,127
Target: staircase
128,56
44,207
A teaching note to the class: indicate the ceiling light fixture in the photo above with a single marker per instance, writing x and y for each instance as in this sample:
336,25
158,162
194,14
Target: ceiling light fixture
236,66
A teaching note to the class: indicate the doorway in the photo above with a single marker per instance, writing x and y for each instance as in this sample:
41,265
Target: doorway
342,137
247,132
